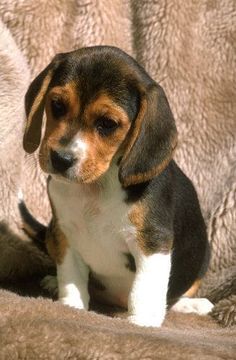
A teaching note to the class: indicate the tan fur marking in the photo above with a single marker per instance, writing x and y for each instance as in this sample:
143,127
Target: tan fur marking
39,98
69,94
137,218
56,243
105,106
192,291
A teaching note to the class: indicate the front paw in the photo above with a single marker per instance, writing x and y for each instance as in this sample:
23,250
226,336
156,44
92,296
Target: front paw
147,320
73,296
73,302
50,284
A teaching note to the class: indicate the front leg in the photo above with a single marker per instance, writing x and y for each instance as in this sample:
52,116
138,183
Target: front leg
72,276
148,298
72,272
150,241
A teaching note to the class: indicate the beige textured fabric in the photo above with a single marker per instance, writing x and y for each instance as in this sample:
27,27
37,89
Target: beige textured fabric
14,80
187,46
33,329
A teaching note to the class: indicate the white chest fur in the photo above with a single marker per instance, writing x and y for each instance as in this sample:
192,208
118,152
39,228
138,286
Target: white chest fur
94,219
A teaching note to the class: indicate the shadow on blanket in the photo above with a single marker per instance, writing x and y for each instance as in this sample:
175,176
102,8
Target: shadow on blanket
38,328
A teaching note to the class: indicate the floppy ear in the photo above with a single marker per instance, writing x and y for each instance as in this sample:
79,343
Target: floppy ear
34,107
151,140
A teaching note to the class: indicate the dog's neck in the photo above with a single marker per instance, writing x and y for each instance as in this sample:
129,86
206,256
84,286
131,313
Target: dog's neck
106,185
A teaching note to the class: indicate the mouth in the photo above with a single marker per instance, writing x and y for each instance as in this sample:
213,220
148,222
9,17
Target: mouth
65,178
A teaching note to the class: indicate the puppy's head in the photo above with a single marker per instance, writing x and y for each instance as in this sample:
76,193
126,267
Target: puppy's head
100,104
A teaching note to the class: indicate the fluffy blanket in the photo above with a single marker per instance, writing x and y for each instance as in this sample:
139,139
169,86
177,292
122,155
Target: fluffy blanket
39,329
190,48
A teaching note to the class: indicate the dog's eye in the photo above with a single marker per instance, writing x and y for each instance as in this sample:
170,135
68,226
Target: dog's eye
105,126
58,108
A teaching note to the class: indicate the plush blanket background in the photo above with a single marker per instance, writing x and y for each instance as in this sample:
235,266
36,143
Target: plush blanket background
83,335
187,46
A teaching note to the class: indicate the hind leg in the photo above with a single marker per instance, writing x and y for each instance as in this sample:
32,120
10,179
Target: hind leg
186,304
200,306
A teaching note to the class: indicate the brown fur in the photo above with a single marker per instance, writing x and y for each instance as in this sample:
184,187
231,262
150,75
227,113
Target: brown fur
137,218
56,242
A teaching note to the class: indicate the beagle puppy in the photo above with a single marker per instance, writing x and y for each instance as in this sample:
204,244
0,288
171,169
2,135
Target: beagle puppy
125,218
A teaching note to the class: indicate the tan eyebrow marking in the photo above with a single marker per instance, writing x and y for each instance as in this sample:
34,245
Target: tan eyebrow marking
105,105
68,93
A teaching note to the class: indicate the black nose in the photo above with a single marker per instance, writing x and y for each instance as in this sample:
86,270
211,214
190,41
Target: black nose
61,160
